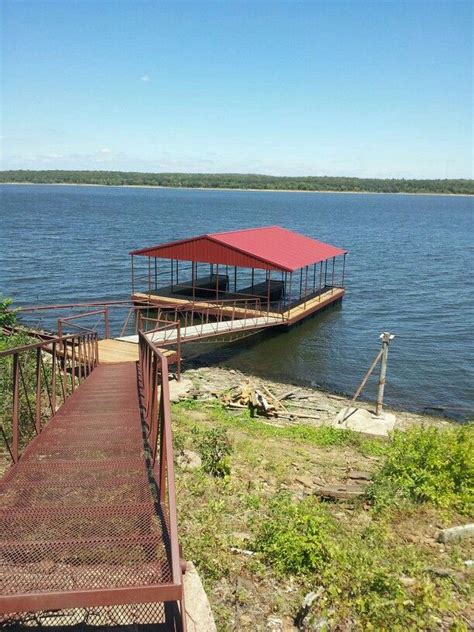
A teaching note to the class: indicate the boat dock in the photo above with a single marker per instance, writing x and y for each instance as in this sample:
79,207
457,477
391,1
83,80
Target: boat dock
222,283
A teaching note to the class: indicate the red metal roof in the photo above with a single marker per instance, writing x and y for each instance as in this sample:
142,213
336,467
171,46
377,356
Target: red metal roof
268,247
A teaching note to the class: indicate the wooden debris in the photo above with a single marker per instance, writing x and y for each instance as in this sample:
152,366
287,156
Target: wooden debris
338,492
288,394
250,395
235,549
359,476
355,485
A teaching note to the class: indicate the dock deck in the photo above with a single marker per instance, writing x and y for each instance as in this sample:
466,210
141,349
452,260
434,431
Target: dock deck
234,313
113,350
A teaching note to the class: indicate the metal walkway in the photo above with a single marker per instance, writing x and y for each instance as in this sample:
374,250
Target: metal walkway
207,330
83,522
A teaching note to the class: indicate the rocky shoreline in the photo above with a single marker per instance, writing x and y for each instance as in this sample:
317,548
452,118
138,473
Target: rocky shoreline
301,404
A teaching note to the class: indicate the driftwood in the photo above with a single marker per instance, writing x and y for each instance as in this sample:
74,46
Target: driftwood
337,492
303,415
288,394
250,395
354,487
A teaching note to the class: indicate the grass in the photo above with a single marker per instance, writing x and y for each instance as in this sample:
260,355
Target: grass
368,566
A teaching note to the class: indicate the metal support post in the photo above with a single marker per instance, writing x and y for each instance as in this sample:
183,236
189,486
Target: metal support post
386,337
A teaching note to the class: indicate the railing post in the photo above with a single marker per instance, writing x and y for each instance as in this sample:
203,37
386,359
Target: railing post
106,323
153,408
38,392
64,378
178,351
53,379
162,480
333,273
79,359
96,344
73,363
15,429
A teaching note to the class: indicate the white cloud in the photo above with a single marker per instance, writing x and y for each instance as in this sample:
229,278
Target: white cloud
146,78
105,150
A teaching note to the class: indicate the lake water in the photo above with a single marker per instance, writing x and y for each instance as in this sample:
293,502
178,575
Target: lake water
409,271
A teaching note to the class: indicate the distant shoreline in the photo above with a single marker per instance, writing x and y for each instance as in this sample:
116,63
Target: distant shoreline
160,186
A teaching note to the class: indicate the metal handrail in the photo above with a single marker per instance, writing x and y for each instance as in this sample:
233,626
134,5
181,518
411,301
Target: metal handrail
67,319
153,372
74,354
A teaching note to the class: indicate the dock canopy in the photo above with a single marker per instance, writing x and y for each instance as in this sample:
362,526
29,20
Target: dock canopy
265,248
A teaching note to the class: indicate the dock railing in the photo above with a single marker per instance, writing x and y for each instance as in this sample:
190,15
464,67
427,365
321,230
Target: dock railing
37,380
198,313
156,412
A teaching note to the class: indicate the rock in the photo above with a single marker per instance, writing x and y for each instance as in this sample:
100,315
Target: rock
301,619
179,390
407,581
454,534
241,535
198,611
361,420
306,481
238,551
274,624
189,460
246,584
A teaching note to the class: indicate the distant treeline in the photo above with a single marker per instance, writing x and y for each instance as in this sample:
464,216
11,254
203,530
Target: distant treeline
239,181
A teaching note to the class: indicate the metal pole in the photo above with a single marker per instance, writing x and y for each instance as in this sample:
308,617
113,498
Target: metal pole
106,323
333,272
386,337
16,406
305,286
269,290
133,278
289,295
320,280
149,275
38,392
343,269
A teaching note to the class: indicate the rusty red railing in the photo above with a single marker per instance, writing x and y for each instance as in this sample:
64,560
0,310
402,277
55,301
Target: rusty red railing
88,526
67,320
156,413
42,374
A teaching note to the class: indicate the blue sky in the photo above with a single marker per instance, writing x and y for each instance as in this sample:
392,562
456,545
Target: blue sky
376,89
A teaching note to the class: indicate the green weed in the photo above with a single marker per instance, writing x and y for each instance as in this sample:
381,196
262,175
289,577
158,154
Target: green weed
428,465
215,448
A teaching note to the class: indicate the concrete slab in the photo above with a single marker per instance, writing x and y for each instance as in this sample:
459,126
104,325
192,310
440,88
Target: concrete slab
361,420
198,611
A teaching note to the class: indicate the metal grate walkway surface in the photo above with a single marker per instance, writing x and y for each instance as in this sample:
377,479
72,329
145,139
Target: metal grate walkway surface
80,511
